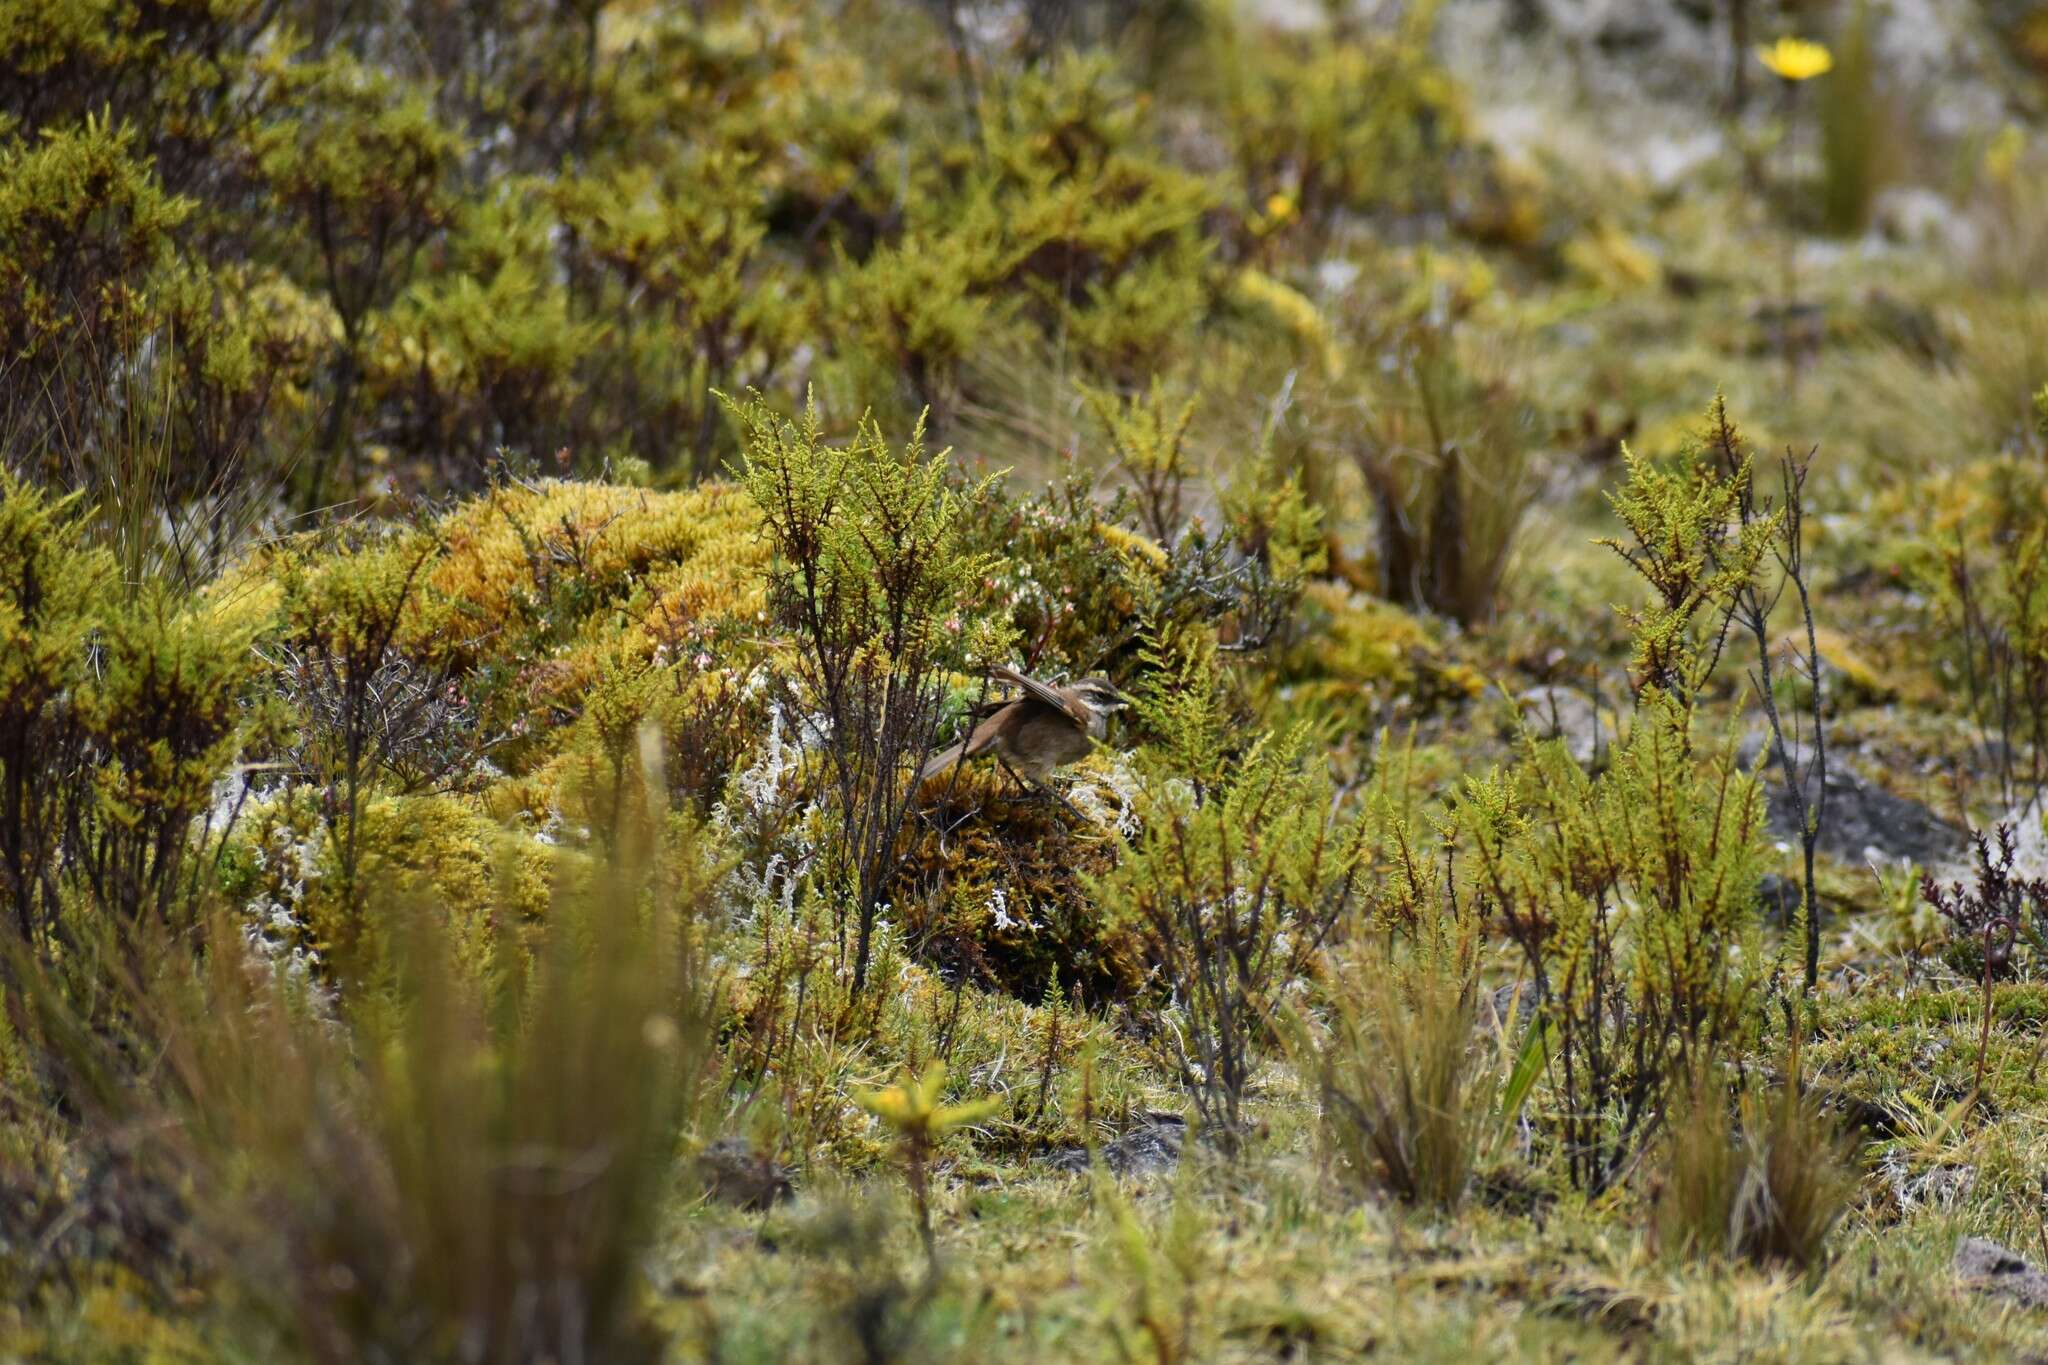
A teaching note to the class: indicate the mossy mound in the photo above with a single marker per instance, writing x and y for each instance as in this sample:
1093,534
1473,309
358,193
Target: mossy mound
992,886
1880,1044
444,852
559,553
1355,654
558,590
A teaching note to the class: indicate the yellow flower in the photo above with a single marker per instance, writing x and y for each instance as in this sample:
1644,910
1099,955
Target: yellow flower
2002,157
1279,208
1795,59
913,1109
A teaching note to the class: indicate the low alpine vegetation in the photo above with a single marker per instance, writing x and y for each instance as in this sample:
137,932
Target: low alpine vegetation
833,680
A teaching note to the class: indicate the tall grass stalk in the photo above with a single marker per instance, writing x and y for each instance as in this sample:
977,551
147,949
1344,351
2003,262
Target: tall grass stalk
442,1165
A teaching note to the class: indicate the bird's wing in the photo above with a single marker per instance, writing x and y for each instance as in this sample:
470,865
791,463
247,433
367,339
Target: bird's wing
989,731
1050,696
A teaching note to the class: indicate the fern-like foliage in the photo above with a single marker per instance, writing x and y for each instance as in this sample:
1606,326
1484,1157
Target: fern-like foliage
1237,875
1694,552
869,565
1632,897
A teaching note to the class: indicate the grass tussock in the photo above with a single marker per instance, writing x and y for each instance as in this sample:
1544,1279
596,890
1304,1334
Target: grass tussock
434,1164
1406,1076
1765,1183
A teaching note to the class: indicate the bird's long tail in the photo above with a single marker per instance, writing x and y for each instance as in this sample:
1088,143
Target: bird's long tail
940,761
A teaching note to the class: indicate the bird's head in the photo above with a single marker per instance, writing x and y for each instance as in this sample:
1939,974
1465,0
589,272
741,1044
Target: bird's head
1100,696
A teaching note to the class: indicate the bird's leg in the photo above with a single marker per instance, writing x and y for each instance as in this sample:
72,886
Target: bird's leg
945,829
1042,790
1051,794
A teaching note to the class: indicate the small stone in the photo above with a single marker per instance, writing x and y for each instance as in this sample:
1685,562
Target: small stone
1985,1266
734,1173
1553,712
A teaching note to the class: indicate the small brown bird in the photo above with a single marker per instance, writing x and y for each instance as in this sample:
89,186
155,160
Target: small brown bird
1043,729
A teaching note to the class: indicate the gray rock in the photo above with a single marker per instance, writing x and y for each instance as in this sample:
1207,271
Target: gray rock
2029,840
1553,712
734,1173
1507,1007
1985,1266
2029,852
1863,822
1149,1148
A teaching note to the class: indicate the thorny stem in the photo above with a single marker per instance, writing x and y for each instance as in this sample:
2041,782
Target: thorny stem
1751,607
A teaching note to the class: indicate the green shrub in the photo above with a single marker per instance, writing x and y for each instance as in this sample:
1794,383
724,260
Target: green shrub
353,258
363,162
1696,553
689,248
1632,895
119,712
1099,235
87,225
482,356
870,569
1718,553
1147,437
1076,582
184,76
343,614
1237,873
165,716
53,592
1992,609
1340,123
1632,899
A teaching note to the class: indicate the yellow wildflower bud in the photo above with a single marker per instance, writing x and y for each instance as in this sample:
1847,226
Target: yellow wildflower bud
912,1108
1796,59
2002,157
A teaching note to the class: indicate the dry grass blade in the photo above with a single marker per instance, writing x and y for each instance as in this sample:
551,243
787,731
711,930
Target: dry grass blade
1407,1084
1766,1185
